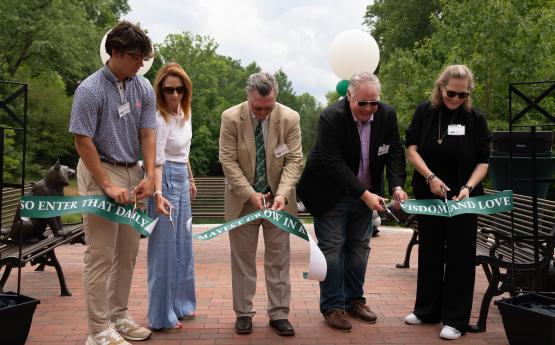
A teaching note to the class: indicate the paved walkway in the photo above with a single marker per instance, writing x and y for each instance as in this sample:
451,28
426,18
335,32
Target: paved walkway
390,293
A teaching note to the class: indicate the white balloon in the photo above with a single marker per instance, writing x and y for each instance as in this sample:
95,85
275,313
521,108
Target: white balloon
353,51
376,219
104,56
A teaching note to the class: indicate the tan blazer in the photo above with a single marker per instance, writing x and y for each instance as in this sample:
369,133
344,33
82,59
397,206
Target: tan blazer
238,156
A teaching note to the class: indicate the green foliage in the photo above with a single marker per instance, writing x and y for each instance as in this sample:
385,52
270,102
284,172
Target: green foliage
309,110
204,149
400,23
49,110
12,157
332,97
50,45
59,35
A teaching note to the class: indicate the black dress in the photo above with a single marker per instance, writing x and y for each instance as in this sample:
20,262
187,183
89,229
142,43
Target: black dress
447,246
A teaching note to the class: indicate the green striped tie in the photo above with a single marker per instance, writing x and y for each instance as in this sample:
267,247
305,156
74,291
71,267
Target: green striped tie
260,177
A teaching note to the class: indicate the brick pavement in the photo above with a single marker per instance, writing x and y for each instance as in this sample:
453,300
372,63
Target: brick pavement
390,293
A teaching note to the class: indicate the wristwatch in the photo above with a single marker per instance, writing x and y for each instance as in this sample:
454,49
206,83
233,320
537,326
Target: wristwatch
470,188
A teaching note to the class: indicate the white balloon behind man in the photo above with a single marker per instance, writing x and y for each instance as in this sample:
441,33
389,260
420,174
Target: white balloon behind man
104,57
353,51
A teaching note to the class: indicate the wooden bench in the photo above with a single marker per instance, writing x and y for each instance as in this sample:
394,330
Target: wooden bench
41,253
210,201
494,250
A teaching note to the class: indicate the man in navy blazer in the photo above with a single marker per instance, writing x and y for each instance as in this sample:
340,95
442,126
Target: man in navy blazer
342,183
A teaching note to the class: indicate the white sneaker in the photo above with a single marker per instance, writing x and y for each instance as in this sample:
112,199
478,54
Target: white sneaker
412,319
450,333
106,337
130,329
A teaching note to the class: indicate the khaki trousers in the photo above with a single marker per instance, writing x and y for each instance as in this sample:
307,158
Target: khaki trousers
243,244
111,251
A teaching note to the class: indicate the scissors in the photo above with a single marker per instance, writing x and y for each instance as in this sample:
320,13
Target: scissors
389,211
134,206
171,219
445,199
264,202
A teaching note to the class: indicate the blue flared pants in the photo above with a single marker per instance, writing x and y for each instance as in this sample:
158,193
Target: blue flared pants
171,273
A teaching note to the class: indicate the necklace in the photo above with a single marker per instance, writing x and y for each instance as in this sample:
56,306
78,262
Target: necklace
439,136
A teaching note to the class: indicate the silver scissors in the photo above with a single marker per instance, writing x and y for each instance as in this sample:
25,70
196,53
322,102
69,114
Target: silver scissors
264,202
389,211
134,206
445,199
171,219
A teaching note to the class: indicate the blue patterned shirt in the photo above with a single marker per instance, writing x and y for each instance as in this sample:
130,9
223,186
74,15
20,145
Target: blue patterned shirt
95,114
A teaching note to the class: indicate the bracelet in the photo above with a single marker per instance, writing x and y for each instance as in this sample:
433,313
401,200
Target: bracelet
156,192
192,180
397,188
470,188
429,178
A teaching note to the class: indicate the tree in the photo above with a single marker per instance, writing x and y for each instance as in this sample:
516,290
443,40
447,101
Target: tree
309,110
59,35
400,23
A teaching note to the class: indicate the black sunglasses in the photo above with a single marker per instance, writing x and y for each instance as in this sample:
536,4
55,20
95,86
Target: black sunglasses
365,103
169,90
451,94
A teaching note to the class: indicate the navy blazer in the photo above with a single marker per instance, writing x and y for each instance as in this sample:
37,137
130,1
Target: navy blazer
332,166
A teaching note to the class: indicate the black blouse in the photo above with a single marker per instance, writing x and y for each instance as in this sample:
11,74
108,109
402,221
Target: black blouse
454,160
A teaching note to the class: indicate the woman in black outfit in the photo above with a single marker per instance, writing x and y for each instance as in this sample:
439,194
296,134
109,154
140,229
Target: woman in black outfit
448,143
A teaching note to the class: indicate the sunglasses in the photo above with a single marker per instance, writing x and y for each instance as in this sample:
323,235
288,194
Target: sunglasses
451,94
169,90
365,103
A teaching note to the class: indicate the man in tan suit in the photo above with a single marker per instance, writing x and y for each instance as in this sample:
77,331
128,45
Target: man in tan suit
261,155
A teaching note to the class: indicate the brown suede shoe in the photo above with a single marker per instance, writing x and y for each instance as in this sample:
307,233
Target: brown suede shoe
362,312
337,319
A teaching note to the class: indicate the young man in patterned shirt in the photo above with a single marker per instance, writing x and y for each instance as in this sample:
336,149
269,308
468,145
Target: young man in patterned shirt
112,118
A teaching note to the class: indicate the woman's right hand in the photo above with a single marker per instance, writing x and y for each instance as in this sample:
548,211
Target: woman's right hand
163,206
438,187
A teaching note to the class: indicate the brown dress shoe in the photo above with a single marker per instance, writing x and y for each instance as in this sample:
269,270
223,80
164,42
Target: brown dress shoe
362,312
337,319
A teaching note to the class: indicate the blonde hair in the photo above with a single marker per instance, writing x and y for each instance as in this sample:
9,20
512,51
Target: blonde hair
453,71
173,69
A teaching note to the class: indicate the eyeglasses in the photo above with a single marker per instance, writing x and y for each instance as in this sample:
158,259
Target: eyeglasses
169,90
451,94
137,56
365,103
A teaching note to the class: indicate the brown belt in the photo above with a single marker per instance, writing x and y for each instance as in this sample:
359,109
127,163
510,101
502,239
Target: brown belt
118,164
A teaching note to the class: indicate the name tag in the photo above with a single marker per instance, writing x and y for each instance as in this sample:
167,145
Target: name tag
455,130
281,151
124,109
382,150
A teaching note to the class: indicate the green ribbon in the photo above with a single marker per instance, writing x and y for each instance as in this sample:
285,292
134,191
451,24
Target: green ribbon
484,204
101,205
317,267
282,220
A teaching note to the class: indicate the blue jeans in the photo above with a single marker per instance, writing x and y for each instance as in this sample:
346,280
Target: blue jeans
171,273
344,237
